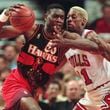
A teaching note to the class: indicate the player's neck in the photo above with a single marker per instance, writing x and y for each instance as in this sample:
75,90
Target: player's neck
81,32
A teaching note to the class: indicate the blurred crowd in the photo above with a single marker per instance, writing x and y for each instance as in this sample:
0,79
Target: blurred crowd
65,88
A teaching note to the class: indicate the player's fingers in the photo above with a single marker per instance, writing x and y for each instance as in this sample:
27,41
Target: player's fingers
96,40
55,41
13,9
102,45
59,36
7,12
18,6
53,45
57,30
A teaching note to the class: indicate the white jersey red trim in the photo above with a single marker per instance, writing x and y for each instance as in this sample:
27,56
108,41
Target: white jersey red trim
94,69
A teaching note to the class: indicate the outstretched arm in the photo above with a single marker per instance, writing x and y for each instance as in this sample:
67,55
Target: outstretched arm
8,31
83,44
73,40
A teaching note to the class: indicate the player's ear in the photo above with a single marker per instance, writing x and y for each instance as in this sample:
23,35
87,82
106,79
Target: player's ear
84,22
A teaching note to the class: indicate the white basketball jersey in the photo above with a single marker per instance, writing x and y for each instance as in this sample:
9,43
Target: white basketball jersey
93,68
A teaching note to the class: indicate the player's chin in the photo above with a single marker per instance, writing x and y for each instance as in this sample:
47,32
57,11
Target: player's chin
70,28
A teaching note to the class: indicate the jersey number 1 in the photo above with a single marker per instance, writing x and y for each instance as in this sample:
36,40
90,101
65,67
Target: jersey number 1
86,77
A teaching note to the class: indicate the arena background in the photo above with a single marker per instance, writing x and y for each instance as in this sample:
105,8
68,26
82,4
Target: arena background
93,8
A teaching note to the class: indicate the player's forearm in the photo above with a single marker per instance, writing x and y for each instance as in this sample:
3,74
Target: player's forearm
106,52
71,35
83,44
7,31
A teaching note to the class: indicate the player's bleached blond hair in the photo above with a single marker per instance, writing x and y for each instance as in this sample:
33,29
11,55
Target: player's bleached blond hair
81,11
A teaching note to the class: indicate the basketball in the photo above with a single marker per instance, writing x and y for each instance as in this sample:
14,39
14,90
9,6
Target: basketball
22,19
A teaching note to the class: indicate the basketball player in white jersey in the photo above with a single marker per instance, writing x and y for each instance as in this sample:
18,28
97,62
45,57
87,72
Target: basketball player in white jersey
93,68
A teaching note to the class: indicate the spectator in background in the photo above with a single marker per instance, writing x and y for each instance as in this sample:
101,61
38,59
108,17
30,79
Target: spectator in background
58,76
102,25
4,72
1,99
93,8
3,64
11,53
72,92
51,95
53,91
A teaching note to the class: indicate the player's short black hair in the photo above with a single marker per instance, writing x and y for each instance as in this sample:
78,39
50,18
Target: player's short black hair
56,6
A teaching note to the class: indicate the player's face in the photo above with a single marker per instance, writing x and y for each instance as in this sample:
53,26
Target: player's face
55,18
74,21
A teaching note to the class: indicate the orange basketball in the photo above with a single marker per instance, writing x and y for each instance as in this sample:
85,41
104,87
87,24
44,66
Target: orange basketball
22,19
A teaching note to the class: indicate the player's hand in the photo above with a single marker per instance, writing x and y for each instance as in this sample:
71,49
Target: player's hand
93,36
102,44
58,42
58,37
104,49
14,8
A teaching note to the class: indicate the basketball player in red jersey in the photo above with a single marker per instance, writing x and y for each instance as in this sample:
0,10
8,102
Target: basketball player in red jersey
38,59
91,65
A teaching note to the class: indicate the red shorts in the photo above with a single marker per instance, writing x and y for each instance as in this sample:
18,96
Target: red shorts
15,87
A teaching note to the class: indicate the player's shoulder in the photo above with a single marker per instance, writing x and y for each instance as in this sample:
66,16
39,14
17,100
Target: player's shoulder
86,32
37,28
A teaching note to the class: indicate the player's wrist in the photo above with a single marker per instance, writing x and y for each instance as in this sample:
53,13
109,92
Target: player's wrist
4,16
